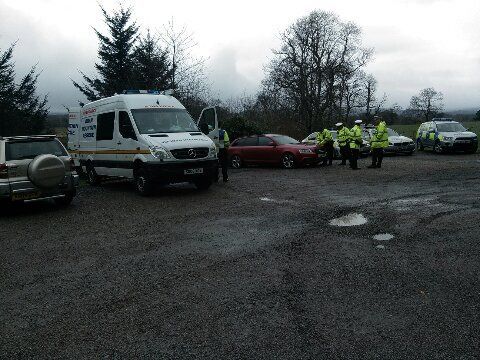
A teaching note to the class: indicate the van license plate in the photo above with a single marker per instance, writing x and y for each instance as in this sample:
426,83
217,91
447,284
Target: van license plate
26,196
193,171
462,141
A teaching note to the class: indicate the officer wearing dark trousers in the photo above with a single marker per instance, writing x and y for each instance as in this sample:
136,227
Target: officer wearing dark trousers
325,142
343,135
378,141
355,143
223,145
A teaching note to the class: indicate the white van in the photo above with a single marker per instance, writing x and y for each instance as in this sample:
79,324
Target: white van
148,137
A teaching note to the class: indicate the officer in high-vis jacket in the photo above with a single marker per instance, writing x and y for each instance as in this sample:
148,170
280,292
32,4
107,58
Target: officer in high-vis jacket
223,145
355,143
378,141
325,142
343,136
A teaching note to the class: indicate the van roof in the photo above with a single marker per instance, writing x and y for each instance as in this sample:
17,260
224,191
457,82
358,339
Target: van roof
140,101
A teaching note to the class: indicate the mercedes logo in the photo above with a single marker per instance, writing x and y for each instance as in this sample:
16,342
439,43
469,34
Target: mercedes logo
192,153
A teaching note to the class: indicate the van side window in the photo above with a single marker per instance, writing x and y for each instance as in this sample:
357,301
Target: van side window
125,126
105,126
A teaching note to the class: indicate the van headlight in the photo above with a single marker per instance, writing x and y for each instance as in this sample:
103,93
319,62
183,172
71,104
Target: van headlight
159,153
212,152
447,138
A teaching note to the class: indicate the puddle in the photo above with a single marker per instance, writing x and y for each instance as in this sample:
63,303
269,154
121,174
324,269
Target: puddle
380,247
383,237
353,219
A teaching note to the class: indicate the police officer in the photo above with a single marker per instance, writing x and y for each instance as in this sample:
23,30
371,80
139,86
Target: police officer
355,143
325,141
223,145
378,142
343,135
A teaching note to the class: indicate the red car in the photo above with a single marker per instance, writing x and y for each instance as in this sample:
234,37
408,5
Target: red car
273,149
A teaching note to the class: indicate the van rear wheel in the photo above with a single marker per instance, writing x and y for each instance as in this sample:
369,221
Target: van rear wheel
143,183
92,177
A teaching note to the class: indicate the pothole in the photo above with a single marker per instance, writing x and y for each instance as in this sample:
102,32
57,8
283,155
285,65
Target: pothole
353,219
383,237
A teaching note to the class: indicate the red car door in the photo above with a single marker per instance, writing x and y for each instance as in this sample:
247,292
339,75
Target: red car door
249,148
266,150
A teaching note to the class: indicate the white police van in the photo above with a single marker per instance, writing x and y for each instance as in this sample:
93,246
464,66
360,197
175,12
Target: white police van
146,136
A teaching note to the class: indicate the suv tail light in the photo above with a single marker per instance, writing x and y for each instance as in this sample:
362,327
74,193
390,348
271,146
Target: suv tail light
3,171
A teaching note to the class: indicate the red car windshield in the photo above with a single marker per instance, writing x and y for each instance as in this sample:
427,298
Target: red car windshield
284,140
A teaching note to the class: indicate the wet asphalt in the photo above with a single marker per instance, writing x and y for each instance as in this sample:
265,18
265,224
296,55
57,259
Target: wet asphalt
252,269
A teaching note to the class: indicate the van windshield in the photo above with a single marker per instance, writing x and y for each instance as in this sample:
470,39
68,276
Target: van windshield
153,121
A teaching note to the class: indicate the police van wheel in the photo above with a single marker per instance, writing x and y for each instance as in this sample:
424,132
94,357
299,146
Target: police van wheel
420,145
143,184
92,177
437,148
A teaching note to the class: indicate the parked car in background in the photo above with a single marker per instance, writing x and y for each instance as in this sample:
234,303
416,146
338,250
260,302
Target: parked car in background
273,149
445,134
364,149
397,144
36,168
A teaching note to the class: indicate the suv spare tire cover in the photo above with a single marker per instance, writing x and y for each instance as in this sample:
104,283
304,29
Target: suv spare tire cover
46,171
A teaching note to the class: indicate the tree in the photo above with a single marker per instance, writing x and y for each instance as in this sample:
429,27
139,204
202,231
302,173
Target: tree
22,111
427,103
318,55
188,78
152,67
116,60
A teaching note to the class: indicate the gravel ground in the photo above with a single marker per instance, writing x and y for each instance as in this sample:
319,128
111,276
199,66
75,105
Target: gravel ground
253,268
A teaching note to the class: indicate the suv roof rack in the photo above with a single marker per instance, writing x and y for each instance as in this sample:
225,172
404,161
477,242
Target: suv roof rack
26,137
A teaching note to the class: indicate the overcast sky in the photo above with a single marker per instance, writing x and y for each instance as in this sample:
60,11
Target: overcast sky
418,43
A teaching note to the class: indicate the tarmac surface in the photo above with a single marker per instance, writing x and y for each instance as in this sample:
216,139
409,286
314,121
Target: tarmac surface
262,267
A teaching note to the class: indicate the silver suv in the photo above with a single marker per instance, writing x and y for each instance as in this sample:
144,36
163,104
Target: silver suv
36,168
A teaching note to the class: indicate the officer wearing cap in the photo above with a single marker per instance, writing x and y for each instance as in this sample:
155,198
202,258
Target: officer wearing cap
343,135
355,143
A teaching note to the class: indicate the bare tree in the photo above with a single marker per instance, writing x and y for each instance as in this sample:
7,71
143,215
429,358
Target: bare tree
427,103
319,53
188,72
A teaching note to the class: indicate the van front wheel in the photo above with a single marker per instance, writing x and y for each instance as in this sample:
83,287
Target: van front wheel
203,184
143,184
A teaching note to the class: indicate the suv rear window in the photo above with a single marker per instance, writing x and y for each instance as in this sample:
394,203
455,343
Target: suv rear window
19,150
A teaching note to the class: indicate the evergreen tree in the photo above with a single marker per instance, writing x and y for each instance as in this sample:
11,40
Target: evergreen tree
151,64
22,112
116,60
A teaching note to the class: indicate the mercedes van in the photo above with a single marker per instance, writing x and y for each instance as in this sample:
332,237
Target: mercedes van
146,136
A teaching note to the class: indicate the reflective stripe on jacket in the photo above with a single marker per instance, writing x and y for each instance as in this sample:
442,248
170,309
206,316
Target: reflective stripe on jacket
380,137
343,136
356,137
223,139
